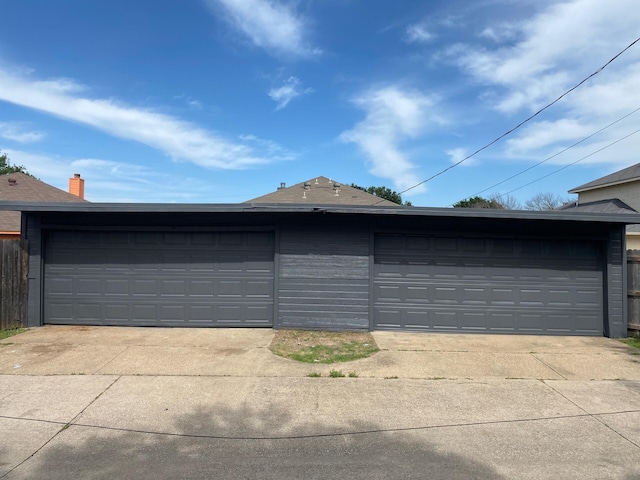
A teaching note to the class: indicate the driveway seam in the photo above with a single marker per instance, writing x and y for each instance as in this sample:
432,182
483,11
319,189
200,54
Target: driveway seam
97,370
548,366
65,426
328,434
594,416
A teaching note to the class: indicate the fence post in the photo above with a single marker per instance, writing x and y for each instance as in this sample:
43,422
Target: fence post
14,264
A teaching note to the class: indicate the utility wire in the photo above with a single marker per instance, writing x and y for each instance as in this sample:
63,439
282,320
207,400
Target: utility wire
569,164
554,155
524,121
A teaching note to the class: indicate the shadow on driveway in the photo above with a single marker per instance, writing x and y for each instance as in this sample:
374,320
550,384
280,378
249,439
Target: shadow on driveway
238,443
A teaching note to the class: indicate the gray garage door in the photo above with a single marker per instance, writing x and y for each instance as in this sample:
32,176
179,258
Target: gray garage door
506,285
159,278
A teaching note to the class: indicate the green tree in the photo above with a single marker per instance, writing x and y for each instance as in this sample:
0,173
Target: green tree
479,202
6,166
384,192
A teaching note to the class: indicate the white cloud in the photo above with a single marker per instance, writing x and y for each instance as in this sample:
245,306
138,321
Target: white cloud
559,46
501,33
291,89
393,114
18,133
555,49
418,33
457,154
179,139
269,25
111,181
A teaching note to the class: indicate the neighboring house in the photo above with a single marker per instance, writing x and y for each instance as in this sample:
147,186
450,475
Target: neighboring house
617,192
20,187
338,267
322,191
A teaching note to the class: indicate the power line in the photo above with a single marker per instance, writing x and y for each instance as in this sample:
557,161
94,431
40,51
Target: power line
569,164
524,121
555,154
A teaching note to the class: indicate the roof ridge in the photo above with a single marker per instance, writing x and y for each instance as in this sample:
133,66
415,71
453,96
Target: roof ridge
320,190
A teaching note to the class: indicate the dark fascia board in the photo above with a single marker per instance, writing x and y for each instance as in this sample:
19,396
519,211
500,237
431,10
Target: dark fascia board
553,215
587,187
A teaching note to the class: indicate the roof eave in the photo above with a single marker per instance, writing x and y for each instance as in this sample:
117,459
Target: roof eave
582,188
149,208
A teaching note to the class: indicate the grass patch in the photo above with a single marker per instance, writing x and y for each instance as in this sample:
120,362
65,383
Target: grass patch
11,332
336,374
323,347
632,341
353,375
314,374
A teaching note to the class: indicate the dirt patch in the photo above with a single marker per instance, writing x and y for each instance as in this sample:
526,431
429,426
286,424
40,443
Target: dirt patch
323,347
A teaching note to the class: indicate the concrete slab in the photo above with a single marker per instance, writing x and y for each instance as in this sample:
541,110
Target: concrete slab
51,398
89,454
439,342
200,411
20,439
626,424
593,366
56,358
152,360
298,406
574,448
244,352
598,397
426,364
127,336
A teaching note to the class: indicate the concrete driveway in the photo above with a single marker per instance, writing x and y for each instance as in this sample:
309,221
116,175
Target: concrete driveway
107,402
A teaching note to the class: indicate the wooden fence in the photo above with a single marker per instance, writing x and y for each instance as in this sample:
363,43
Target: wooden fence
14,261
633,291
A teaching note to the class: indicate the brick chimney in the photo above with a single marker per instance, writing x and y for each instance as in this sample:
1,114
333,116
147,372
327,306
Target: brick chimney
76,186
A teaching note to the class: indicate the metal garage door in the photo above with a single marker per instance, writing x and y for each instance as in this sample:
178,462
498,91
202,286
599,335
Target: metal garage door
159,278
500,285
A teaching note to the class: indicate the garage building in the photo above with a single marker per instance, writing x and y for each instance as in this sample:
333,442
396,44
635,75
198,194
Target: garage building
329,267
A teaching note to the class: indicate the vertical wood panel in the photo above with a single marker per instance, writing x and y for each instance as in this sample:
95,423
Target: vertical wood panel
14,260
633,290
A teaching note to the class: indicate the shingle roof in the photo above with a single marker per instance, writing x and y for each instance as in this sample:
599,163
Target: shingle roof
612,205
322,191
24,188
625,175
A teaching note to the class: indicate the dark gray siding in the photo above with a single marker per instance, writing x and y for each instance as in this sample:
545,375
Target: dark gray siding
324,274
34,277
159,278
616,285
501,285
324,277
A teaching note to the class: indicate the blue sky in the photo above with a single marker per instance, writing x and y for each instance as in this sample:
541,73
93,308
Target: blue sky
221,100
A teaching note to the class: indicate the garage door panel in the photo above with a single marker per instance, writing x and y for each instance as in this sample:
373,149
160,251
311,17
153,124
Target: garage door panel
173,288
143,313
147,278
201,288
520,285
171,313
501,322
445,320
114,312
